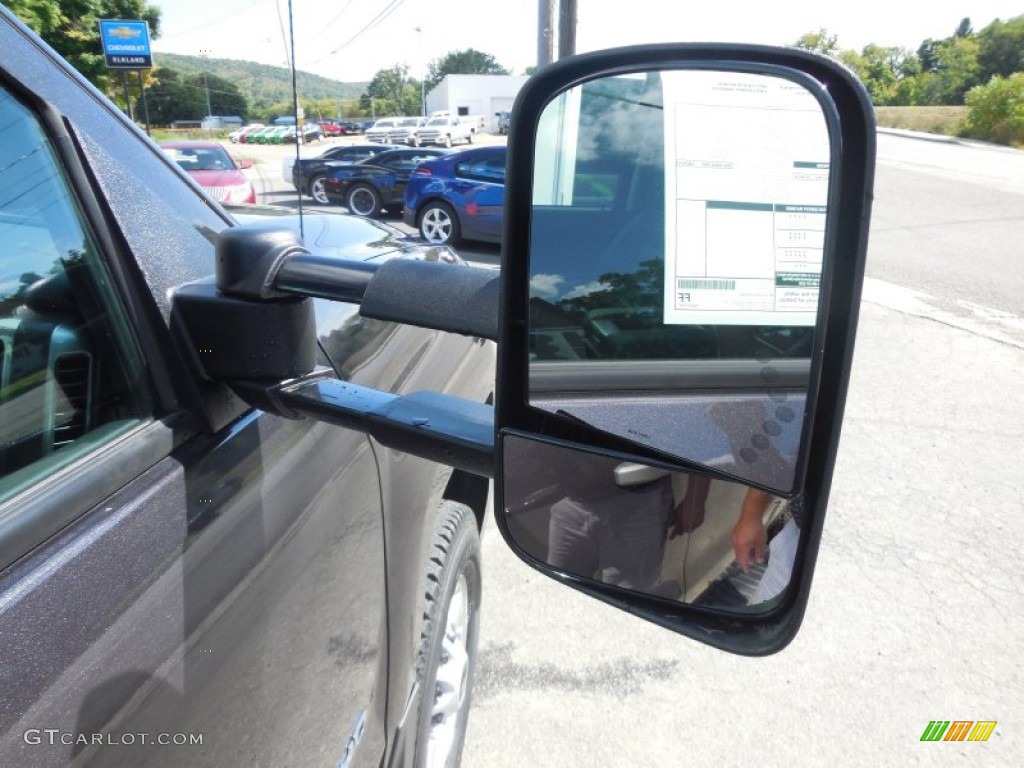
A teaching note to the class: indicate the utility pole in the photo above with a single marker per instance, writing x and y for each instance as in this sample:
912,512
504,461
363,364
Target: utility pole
545,33
209,112
423,76
566,28
205,56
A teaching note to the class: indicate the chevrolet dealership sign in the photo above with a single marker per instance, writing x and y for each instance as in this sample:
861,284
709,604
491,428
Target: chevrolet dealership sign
126,44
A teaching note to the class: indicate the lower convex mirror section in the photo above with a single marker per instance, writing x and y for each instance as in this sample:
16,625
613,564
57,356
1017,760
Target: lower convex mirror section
684,537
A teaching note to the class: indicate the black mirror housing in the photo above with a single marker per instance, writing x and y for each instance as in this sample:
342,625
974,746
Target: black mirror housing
546,153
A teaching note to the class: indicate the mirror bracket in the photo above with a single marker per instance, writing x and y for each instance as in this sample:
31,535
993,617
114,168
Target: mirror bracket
441,428
257,262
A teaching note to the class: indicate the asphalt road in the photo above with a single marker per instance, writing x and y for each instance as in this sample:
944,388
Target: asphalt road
916,611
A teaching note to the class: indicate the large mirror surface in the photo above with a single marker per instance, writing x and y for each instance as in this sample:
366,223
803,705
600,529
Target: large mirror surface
683,537
676,251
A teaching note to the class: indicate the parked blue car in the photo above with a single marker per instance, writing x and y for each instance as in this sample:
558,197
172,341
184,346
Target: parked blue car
460,196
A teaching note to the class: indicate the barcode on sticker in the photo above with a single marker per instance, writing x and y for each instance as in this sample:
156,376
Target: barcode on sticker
689,284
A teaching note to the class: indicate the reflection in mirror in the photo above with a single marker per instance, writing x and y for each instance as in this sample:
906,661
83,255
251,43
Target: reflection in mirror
677,241
683,537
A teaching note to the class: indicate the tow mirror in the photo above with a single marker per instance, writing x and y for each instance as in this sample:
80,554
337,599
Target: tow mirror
685,234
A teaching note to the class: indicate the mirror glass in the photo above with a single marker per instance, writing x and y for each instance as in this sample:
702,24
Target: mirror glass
682,537
676,249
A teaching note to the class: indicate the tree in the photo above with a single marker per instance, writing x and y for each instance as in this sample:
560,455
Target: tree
393,93
71,27
225,98
956,70
996,110
467,62
169,99
173,97
1001,48
820,42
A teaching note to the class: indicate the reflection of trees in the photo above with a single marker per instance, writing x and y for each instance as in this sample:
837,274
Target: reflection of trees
622,290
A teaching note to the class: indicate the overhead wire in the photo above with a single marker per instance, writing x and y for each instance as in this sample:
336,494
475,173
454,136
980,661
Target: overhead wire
390,8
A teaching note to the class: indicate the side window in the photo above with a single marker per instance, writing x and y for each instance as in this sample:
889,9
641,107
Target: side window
490,168
71,377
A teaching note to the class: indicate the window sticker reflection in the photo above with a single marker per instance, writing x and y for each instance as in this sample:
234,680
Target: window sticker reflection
747,170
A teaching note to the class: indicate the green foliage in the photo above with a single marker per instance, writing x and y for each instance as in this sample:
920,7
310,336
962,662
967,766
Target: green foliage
956,71
392,93
995,111
466,62
174,97
821,41
1001,48
941,71
265,88
71,27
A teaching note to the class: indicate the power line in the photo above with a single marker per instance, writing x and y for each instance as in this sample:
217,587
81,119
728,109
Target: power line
329,24
390,8
206,24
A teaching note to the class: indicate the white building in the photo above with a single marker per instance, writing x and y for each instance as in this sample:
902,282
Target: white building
482,95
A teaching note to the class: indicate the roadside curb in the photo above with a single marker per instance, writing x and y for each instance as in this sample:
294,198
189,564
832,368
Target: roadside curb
943,139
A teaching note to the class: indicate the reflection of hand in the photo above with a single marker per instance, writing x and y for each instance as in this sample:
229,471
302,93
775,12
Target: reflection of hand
689,514
749,540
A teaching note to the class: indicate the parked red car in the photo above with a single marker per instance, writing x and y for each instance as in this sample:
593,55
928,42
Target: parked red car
329,127
213,169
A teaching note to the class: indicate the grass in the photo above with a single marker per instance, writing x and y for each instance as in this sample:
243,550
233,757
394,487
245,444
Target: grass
943,120
183,134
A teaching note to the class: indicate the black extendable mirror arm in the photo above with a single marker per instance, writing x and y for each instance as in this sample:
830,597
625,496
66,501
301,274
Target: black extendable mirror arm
262,263
254,329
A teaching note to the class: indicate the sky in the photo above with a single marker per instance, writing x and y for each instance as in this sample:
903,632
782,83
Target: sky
350,40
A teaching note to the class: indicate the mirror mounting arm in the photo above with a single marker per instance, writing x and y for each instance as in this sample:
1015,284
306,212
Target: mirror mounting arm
259,263
441,428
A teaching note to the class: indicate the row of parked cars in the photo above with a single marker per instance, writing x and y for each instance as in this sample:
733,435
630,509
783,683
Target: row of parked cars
448,196
276,134
442,128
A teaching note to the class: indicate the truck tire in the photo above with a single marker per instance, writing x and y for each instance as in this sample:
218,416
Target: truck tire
448,642
448,140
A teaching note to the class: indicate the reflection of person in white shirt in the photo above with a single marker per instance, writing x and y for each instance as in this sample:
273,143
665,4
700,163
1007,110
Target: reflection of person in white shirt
750,542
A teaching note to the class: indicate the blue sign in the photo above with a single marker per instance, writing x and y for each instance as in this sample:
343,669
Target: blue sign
126,44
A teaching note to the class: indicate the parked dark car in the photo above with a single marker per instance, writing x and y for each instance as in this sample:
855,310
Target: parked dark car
458,196
368,187
185,578
309,174
309,131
